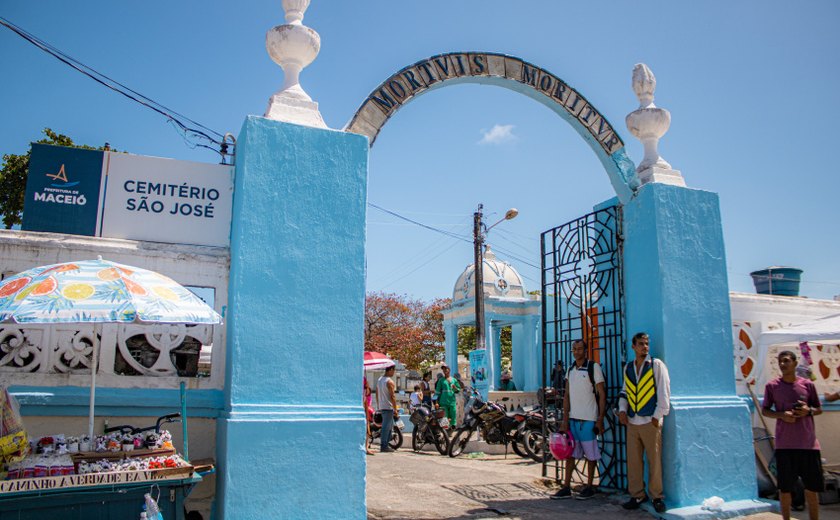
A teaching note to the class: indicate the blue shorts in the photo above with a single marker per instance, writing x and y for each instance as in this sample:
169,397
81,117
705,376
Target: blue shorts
586,442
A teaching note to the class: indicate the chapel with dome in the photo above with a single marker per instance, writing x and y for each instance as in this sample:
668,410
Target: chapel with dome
506,304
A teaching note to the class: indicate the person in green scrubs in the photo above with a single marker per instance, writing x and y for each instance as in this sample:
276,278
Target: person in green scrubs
446,388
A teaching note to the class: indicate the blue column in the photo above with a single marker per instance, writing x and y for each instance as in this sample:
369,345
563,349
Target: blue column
677,291
493,338
531,353
291,438
450,355
519,353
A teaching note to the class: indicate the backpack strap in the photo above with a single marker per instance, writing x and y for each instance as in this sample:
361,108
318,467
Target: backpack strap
590,369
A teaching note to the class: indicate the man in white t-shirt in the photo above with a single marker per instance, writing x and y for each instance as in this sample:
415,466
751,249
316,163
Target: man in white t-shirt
584,405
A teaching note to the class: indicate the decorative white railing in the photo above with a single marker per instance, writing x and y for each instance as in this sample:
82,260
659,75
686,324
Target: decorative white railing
48,354
515,399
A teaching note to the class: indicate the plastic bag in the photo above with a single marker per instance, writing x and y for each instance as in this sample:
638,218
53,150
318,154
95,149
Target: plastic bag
714,503
13,441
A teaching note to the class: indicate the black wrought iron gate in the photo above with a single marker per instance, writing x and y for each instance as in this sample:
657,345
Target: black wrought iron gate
582,295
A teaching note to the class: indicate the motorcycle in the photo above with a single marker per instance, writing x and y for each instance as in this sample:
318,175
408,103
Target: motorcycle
535,436
428,429
491,419
530,419
376,431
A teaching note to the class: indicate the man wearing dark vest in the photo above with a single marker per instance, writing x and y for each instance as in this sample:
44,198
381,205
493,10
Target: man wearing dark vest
644,402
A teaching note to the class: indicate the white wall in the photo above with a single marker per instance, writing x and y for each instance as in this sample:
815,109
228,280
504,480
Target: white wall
198,266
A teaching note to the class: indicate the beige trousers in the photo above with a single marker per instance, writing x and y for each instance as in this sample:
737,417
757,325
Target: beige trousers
644,440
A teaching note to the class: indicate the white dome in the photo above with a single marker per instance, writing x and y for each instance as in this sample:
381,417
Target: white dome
501,280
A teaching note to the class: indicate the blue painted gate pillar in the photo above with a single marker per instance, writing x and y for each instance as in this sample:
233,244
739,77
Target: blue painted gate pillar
291,439
677,291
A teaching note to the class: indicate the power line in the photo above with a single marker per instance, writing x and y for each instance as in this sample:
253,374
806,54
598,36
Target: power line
424,264
456,236
520,235
820,282
172,116
514,256
423,258
430,228
521,248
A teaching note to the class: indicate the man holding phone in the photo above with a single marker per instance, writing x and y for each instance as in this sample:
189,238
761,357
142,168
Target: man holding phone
793,402
584,405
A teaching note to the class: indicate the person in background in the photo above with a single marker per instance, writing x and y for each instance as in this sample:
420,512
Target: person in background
446,388
366,399
793,402
558,376
832,397
426,386
507,383
416,398
460,398
386,396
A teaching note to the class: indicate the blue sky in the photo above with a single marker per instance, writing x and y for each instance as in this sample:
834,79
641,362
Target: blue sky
751,86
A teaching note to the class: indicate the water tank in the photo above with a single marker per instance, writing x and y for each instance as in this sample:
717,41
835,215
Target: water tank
777,280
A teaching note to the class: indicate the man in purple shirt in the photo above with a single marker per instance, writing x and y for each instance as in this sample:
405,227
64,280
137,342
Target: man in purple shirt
793,402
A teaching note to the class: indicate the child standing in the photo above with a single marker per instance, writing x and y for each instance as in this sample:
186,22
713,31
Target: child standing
416,397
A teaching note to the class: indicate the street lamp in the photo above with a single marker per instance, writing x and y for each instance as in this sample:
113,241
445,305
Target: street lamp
479,234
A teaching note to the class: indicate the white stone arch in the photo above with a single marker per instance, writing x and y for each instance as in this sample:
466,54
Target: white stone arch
511,73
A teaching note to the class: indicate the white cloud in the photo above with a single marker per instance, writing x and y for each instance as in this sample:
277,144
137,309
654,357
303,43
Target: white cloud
497,135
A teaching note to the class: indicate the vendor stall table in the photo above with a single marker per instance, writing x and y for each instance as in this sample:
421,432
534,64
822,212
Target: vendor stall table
97,502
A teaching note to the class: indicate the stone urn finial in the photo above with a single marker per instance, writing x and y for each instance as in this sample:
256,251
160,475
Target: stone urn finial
295,10
644,85
648,124
293,46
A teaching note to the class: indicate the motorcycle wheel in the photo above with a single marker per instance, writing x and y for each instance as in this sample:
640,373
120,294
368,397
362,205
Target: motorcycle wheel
459,442
536,447
417,441
396,439
441,440
518,448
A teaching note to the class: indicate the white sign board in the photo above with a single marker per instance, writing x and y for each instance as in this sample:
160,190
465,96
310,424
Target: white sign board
164,200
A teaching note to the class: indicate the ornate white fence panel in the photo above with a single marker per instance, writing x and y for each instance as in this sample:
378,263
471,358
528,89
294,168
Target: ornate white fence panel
48,354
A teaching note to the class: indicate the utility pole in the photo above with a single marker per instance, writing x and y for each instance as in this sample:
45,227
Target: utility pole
478,244
479,233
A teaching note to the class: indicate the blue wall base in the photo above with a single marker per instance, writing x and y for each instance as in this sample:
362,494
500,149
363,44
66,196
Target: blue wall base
300,464
733,509
700,449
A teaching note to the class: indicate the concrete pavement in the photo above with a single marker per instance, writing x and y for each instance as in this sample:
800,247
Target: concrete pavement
407,485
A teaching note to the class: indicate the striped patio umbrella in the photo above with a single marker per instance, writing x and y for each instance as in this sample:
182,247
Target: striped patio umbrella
99,291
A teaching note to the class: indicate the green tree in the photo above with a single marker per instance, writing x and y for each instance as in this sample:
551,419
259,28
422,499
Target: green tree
15,171
406,329
466,341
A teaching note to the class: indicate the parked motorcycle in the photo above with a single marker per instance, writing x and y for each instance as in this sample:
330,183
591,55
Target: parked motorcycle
491,419
530,420
376,431
535,436
428,429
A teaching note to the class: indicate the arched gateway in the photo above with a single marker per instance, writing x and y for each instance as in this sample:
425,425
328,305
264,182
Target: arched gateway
505,71
296,307
590,240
